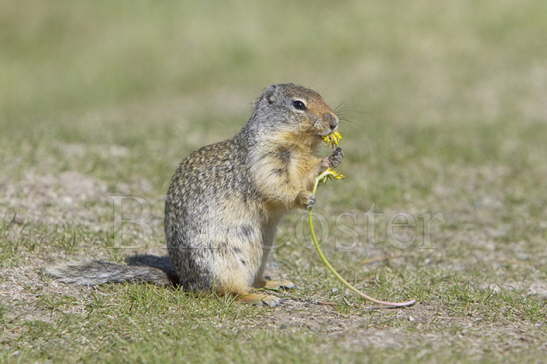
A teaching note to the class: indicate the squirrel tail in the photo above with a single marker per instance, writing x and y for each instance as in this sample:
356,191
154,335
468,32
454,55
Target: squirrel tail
97,272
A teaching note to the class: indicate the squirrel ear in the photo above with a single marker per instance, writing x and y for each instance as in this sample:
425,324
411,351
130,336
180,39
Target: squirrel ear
270,95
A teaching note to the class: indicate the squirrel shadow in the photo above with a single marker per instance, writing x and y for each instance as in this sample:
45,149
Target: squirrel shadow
162,263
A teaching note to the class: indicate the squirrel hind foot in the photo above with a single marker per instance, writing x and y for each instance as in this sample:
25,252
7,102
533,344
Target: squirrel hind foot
276,284
244,295
260,299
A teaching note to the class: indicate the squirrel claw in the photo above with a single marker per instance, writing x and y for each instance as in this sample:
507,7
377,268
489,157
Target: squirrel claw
335,159
305,199
277,285
260,299
310,202
272,301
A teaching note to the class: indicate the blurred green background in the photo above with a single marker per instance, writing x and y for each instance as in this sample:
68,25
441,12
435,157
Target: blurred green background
444,107
416,60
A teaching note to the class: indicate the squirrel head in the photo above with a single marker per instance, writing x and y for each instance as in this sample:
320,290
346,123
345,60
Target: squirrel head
291,109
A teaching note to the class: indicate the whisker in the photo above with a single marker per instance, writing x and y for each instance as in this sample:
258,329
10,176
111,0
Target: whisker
346,120
342,110
338,107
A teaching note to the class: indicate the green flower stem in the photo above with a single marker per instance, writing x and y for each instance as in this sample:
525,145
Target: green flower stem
331,268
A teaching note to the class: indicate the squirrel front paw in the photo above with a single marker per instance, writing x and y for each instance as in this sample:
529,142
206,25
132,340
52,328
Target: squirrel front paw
333,160
305,199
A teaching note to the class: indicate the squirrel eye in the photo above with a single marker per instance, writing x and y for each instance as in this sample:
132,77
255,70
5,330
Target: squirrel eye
298,105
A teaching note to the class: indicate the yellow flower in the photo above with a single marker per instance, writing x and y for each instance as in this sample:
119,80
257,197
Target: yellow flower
330,174
333,139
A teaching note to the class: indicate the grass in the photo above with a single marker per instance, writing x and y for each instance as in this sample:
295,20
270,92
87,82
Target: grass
445,125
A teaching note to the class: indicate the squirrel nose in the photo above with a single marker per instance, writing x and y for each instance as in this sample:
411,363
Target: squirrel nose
331,119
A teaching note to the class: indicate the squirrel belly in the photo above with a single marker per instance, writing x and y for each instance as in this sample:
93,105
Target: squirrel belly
225,200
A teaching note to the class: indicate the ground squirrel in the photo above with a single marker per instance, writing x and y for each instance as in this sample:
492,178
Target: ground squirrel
225,200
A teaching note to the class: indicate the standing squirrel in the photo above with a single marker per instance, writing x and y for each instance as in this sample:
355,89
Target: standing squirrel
225,201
